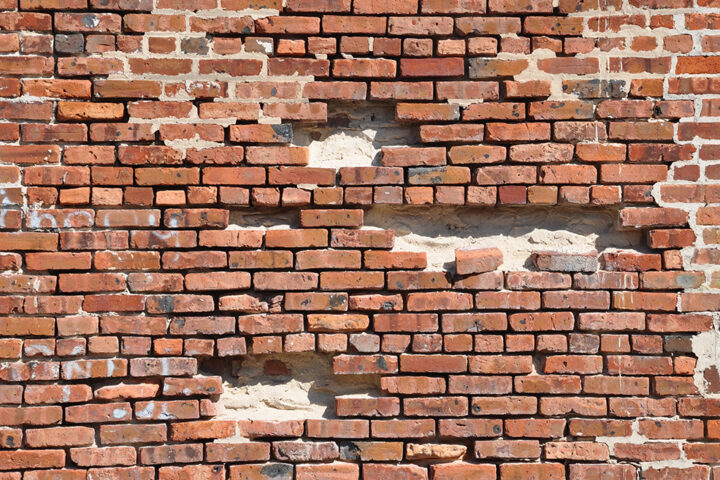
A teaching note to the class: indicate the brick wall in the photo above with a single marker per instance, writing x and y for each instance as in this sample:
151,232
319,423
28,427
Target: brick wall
133,130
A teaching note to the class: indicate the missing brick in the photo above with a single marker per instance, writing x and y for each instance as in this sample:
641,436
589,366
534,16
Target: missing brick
516,231
288,386
354,135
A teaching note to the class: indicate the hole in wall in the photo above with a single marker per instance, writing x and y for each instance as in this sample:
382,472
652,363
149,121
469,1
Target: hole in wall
516,231
263,219
287,386
354,135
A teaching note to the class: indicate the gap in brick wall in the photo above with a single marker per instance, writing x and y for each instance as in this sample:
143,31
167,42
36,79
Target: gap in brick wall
354,134
287,386
517,231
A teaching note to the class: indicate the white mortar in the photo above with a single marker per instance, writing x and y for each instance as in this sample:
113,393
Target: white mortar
309,390
517,232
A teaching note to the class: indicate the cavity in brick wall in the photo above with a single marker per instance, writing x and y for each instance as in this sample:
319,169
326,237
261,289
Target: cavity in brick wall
289,386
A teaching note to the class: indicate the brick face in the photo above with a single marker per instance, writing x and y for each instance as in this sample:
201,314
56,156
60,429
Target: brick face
134,134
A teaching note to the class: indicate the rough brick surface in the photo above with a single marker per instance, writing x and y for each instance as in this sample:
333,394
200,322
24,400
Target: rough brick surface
135,133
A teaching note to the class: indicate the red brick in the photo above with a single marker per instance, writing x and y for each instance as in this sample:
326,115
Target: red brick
504,132
401,90
541,153
443,301
694,472
17,459
575,66
427,67
568,174
316,112
59,437
652,217
648,452
697,65
186,453
477,261
541,321
500,364
426,112
532,428
618,472
507,449
644,301
548,384
210,472
123,434
436,406
338,428
508,300
369,68
440,363
576,451
305,451
331,218
392,7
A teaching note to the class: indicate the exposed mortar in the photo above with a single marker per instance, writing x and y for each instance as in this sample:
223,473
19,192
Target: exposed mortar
706,346
440,230
289,386
517,232
354,135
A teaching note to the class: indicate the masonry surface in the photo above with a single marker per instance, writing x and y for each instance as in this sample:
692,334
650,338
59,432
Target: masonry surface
359,239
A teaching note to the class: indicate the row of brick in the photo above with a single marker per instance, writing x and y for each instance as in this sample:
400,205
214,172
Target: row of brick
410,67
309,260
218,218
75,436
178,345
507,364
67,111
356,90
378,471
77,43
332,23
357,7
31,157
658,428
340,90
490,378
598,195
558,174
416,302
462,325
594,297
130,197
464,23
